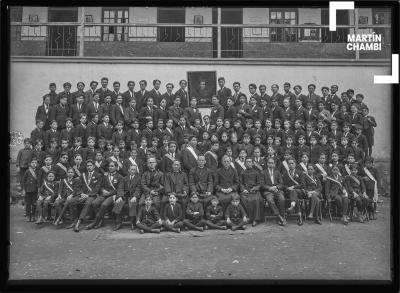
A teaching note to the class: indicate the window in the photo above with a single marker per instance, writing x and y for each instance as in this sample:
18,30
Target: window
283,16
171,15
115,33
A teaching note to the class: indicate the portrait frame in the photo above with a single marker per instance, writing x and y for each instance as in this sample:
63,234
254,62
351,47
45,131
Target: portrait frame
203,96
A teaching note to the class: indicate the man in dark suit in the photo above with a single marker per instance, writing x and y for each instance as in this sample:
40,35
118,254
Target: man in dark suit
80,86
60,112
237,93
299,95
90,92
67,93
182,131
289,94
147,112
94,106
155,92
276,95
253,93
314,98
182,93
276,110
117,111
115,92
300,113
103,91
168,95
190,154
172,215
175,112
224,92
273,191
263,95
53,95
176,182
141,95
43,112
77,109
130,93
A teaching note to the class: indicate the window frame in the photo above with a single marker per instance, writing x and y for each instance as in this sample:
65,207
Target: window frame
173,31
284,31
124,29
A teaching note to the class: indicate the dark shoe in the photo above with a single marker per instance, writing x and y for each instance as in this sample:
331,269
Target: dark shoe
141,231
205,227
200,229
178,230
157,231
57,222
76,228
223,228
234,228
117,227
186,228
99,225
254,224
318,221
244,227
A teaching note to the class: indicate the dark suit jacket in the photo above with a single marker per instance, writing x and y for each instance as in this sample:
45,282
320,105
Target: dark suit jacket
94,184
42,115
175,113
200,180
188,160
277,113
223,94
117,114
102,94
127,97
59,114
141,99
146,112
156,96
90,109
267,182
169,99
175,214
104,109
38,134
130,114
128,188
184,97
176,183
105,132
134,135
301,114
74,113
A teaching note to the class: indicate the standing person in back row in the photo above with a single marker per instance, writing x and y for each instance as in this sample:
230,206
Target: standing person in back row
182,94
223,93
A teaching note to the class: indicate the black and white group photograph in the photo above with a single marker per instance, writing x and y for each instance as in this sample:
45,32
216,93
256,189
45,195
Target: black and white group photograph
200,143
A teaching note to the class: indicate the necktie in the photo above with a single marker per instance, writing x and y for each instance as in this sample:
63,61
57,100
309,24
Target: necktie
172,209
95,106
90,175
79,107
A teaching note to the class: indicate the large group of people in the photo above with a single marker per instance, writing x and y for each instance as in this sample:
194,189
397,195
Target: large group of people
157,158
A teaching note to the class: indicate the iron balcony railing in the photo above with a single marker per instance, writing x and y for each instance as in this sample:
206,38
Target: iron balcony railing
190,40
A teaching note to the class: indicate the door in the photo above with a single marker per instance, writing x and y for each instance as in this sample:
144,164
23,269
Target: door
338,36
62,40
231,37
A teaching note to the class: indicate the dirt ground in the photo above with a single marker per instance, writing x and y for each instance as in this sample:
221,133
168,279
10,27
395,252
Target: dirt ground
268,251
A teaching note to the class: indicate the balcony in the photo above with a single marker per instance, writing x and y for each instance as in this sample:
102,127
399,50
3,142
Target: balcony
205,41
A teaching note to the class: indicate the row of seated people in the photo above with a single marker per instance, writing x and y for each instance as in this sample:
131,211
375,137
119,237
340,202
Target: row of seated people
92,190
215,150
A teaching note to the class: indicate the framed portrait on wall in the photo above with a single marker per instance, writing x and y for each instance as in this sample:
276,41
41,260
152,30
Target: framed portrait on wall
202,85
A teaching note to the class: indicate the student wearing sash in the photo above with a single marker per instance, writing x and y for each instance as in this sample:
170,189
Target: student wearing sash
29,185
250,183
148,219
168,159
371,180
152,182
211,157
47,194
90,182
304,162
78,149
78,166
284,166
68,189
99,162
60,169
108,198
176,182
190,154
133,160
321,171
48,165
292,184
129,190
312,187
259,162
201,181
273,191
335,191
226,182
240,161
356,189
335,162
116,159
